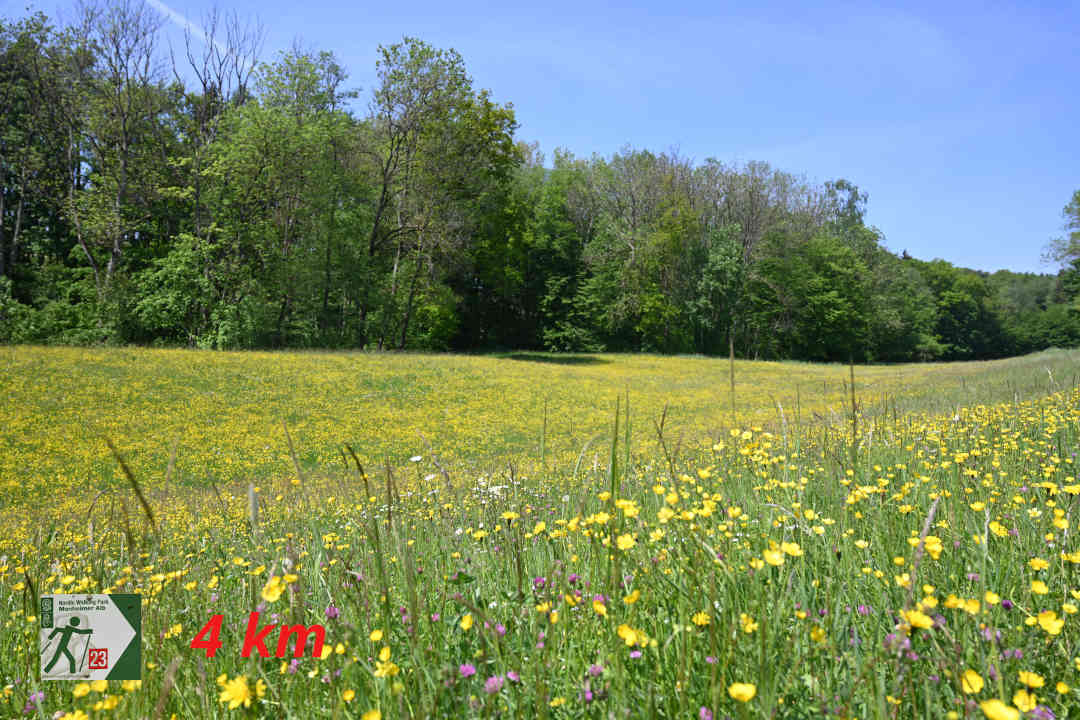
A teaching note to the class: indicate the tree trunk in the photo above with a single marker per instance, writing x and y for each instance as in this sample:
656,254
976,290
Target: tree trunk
282,314
14,245
3,249
324,321
731,365
393,294
73,173
409,304
118,205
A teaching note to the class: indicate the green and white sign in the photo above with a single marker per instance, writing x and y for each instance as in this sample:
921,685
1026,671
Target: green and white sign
91,637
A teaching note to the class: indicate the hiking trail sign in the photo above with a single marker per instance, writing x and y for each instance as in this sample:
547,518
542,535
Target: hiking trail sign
90,637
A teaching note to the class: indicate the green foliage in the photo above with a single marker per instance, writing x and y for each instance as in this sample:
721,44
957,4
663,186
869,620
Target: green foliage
261,208
1066,248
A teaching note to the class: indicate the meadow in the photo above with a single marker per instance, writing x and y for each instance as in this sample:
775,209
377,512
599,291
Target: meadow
549,536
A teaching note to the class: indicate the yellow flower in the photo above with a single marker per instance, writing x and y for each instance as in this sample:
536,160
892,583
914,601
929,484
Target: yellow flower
791,548
99,686
236,692
632,597
1039,587
598,608
376,635
1032,680
107,703
383,666
273,589
997,710
743,692
348,695
747,622
700,619
1062,688
971,682
625,541
933,545
383,670
917,618
817,634
1038,564
1024,700
373,714
1049,621
81,690
466,621
773,557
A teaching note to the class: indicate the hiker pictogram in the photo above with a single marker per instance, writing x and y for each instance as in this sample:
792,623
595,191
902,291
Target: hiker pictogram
65,633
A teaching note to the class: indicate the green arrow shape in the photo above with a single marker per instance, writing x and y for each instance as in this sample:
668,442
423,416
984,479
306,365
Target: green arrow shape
129,665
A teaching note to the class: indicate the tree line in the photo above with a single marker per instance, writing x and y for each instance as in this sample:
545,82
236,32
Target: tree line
205,198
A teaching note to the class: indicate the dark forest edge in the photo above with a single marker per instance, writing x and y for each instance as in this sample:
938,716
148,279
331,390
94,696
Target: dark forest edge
203,198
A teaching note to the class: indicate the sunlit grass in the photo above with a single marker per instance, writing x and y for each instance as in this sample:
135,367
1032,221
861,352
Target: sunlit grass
756,567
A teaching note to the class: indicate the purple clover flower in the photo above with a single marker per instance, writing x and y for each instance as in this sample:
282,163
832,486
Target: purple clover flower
493,684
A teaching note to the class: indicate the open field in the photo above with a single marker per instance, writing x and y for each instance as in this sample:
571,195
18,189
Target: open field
918,561
224,413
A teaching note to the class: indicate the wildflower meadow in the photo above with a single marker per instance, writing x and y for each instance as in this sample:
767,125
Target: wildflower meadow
336,535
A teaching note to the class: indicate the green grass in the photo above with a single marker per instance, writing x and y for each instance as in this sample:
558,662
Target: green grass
947,456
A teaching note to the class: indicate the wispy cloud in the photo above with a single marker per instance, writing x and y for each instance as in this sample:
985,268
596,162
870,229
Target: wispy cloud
186,25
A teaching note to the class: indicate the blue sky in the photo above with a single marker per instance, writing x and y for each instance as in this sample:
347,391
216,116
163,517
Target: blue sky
960,120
